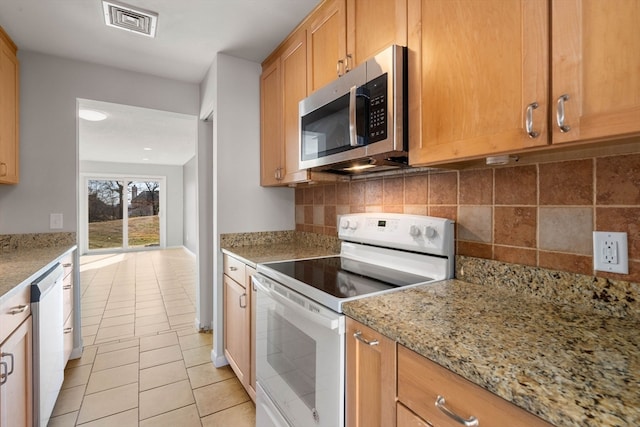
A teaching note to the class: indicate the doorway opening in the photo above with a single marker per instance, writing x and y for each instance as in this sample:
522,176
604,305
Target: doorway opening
124,213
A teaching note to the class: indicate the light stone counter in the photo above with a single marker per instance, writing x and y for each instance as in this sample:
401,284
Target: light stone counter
570,365
23,257
255,248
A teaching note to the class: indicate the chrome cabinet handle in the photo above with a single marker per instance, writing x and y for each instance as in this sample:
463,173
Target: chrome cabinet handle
470,422
3,171
67,330
3,375
348,61
340,67
233,268
67,265
19,309
560,113
9,355
529,120
359,337
243,305
66,288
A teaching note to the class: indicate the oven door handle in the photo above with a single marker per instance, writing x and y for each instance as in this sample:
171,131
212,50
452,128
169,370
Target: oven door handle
317,318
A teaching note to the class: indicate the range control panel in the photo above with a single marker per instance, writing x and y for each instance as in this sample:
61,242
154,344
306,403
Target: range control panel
416,233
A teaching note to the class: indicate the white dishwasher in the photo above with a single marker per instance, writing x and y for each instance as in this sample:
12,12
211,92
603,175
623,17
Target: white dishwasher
48,343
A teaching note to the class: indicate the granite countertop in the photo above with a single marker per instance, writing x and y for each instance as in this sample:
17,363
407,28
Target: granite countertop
568,365
26,264
253,255
255,248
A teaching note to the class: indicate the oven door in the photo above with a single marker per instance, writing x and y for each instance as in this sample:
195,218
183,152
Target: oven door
299,357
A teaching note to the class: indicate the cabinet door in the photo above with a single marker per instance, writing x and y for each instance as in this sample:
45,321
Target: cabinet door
270,125
236,328
596,63
15,393
326,41
371,377
475,67
373,25
293,65
9,162
252,333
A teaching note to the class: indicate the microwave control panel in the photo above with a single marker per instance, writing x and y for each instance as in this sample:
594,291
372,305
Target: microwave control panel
377,108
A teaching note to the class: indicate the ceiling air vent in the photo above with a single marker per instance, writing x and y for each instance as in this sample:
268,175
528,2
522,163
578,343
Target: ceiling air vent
128,18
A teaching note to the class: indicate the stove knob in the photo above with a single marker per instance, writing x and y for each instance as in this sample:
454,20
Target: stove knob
414,231
353,225
344,224
430,232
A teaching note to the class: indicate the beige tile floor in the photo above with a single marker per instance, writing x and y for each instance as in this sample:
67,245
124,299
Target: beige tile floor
144,363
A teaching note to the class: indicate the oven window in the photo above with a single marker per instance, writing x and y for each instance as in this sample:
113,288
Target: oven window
292,354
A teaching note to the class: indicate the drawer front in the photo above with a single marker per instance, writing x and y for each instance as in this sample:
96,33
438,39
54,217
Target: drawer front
421,382
68,338
67,297
14,311
406,418
67,264
235,269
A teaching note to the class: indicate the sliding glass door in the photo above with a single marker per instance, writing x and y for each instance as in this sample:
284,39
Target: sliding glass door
124,213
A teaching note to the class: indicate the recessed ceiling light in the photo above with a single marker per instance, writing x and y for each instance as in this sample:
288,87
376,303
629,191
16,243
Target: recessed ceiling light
145,159
147,148
91,115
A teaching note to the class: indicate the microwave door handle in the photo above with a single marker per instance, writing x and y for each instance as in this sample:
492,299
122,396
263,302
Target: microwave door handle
353,129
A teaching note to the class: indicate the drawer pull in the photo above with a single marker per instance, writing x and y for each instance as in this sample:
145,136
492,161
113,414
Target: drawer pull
67,330
240,299
67,265
66,288
470,422
19,309
232,268
359,337
3,372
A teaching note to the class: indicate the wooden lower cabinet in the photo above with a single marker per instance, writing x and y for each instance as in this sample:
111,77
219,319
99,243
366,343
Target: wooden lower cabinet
16,381
406,418
371,377
421,384
239,322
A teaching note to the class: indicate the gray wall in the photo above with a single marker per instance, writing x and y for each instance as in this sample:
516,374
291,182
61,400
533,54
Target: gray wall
190,205
49,87
232,90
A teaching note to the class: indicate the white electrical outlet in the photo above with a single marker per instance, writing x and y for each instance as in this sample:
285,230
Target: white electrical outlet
610,252
55,221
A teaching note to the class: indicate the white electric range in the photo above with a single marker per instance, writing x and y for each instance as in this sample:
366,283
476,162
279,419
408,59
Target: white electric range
299,322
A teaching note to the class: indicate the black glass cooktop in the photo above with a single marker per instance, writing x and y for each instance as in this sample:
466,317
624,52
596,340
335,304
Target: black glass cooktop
343,277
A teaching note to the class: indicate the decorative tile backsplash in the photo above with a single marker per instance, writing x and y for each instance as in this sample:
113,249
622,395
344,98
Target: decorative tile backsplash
540,214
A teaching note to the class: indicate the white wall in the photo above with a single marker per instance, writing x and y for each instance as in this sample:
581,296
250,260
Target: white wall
49,87
190,212
174,191
232,88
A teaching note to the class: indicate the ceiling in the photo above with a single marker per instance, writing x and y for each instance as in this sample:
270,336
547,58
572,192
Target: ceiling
189,35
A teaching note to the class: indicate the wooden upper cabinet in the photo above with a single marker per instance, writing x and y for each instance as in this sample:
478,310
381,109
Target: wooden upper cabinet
474,68
326,43
373,25
9,141
344,33
270,125
294,89
596,62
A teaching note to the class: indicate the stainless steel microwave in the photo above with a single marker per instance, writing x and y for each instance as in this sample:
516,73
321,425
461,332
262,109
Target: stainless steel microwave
359,121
